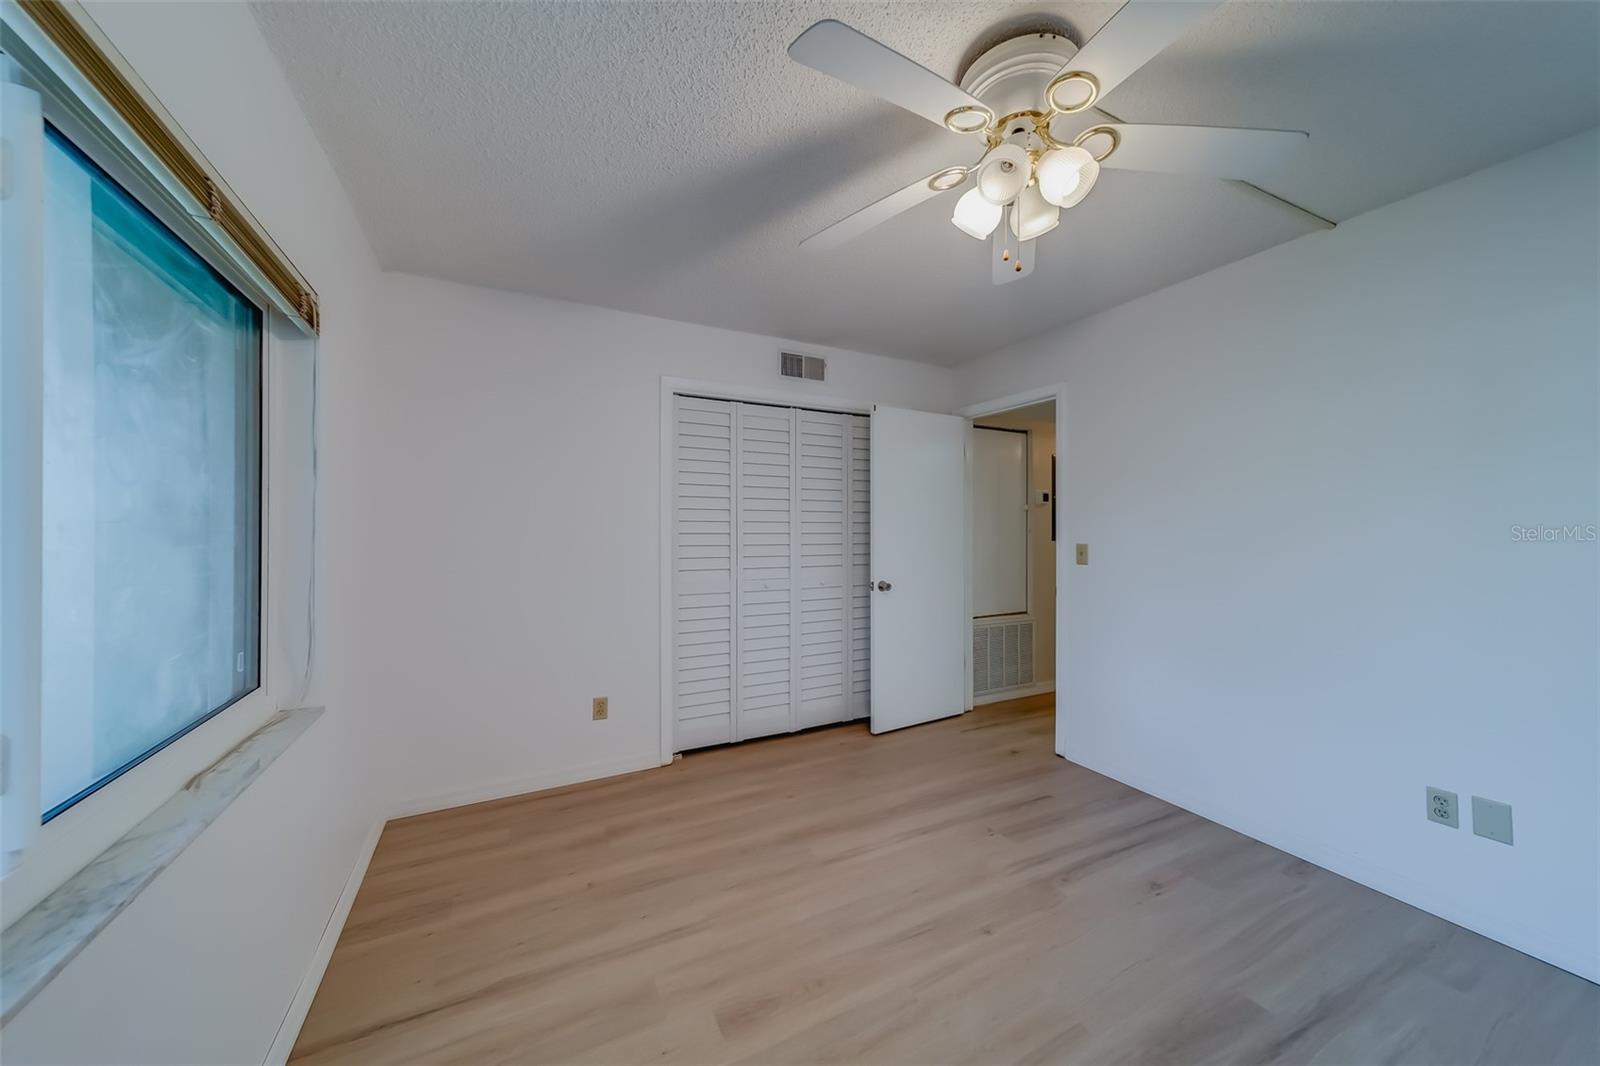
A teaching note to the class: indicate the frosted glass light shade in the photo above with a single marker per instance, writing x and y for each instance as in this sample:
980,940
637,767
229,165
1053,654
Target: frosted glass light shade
1066,175
976,216
1003,172
1032,217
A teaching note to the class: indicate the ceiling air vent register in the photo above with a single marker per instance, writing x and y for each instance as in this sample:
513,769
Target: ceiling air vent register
806,367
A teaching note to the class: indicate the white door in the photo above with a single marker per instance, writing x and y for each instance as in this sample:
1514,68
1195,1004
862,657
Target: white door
703,616
764,456
860,539
919,567
821,607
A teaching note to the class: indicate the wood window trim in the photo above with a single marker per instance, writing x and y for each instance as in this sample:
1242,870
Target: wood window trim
71,33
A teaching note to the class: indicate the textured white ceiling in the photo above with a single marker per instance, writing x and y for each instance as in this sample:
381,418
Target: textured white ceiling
667,158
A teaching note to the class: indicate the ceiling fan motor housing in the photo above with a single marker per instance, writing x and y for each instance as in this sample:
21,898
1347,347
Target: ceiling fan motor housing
1013,74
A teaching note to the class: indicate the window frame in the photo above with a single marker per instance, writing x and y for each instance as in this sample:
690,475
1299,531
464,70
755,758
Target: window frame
258,576
75,834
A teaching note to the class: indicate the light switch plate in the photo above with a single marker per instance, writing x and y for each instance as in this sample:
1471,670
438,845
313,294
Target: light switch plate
1444,807
1083,555
1492,819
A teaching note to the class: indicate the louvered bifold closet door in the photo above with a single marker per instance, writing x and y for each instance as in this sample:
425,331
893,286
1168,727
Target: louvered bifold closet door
765,569
770,547
859,598
822,652
702,555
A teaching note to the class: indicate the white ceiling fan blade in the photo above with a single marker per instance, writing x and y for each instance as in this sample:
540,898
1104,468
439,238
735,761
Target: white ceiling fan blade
840,52
852,226
1216,151
1136,34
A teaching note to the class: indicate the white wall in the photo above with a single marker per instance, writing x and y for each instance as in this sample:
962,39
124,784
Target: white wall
998,505
203,965
1298,477
521,515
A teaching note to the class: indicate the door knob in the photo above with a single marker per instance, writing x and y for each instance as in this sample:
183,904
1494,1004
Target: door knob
884,586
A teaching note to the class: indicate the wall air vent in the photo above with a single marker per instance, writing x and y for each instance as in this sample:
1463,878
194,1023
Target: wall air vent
1002,654
808,367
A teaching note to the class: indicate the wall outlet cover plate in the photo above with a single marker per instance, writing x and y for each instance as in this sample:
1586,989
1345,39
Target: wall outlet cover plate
1492,819
1443,807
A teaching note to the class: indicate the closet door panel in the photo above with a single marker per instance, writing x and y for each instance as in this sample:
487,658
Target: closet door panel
860,562
822,569
765,570
702,553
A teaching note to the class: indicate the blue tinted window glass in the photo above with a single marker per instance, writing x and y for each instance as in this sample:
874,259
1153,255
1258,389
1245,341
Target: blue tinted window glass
151,484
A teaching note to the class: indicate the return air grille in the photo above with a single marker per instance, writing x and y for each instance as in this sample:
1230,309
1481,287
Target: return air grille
807,367
1002,654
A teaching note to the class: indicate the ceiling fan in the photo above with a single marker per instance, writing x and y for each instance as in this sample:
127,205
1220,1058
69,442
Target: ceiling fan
1031,100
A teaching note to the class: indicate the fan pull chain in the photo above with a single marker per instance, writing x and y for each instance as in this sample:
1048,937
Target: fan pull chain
1016,224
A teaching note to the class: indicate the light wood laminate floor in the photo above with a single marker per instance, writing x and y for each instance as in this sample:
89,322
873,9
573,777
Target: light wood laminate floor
949,893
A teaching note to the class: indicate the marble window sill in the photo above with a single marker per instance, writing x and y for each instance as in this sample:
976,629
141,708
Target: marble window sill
36,947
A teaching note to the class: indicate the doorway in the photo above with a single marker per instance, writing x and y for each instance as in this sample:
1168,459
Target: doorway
1049,646
1014,527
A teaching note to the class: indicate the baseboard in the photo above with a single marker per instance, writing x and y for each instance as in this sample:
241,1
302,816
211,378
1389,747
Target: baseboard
1014,693
1378,878
516,786
300,1006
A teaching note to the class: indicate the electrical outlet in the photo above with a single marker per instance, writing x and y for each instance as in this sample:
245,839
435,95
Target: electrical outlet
1491,819
1443,808
602,708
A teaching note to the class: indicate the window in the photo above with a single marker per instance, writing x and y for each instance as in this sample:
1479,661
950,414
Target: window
151,484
